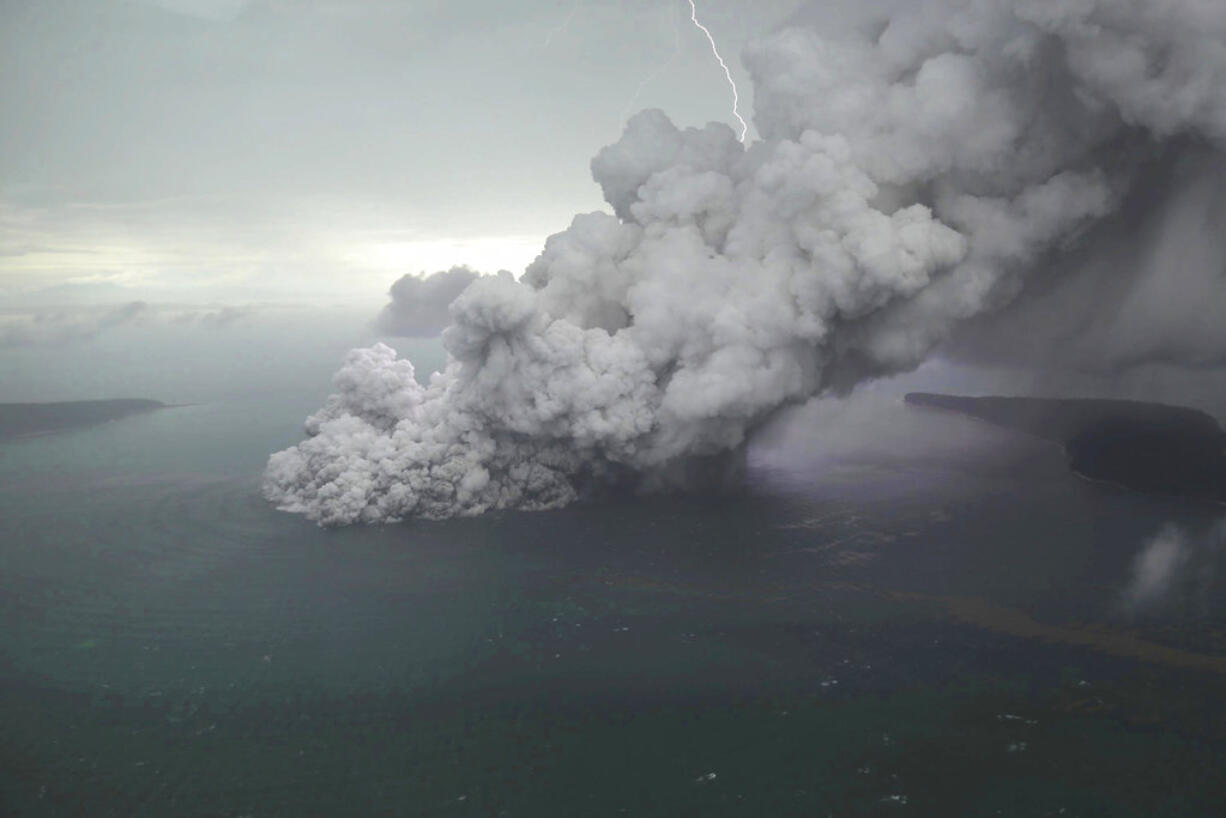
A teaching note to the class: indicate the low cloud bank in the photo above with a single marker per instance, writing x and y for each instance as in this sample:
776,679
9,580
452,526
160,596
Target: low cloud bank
67,326
914,172
60,327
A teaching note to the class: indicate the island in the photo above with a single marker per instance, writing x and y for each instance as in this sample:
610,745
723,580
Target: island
27,419
1149,447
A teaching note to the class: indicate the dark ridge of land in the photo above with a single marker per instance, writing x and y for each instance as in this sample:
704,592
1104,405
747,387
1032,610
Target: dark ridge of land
28,419
1148,447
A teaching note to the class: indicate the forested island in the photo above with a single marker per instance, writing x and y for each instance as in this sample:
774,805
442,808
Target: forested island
1148,447
27,419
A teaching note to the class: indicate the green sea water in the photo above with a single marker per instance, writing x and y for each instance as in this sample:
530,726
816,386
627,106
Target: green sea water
945,637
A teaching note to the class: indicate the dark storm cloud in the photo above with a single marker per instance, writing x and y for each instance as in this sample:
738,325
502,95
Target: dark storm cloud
1145,287
419,304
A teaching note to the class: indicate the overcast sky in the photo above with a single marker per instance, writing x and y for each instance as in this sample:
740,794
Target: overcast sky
240,150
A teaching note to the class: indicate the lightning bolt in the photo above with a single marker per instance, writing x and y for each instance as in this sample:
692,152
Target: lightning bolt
715,50
556,30
660,69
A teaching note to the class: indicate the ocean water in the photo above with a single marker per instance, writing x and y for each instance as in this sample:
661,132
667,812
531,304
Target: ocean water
973,632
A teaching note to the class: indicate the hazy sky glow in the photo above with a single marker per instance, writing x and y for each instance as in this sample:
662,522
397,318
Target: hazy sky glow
238,150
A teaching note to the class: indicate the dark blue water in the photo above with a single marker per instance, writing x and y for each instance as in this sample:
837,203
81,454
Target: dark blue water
946,636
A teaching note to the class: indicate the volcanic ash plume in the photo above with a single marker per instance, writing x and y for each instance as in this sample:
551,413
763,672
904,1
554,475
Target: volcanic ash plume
908,177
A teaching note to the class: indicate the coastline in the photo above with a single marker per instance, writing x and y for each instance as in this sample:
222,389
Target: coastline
22,421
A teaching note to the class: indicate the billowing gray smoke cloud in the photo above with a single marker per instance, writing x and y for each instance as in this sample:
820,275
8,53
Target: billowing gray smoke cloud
908,178
1176,565
419,305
